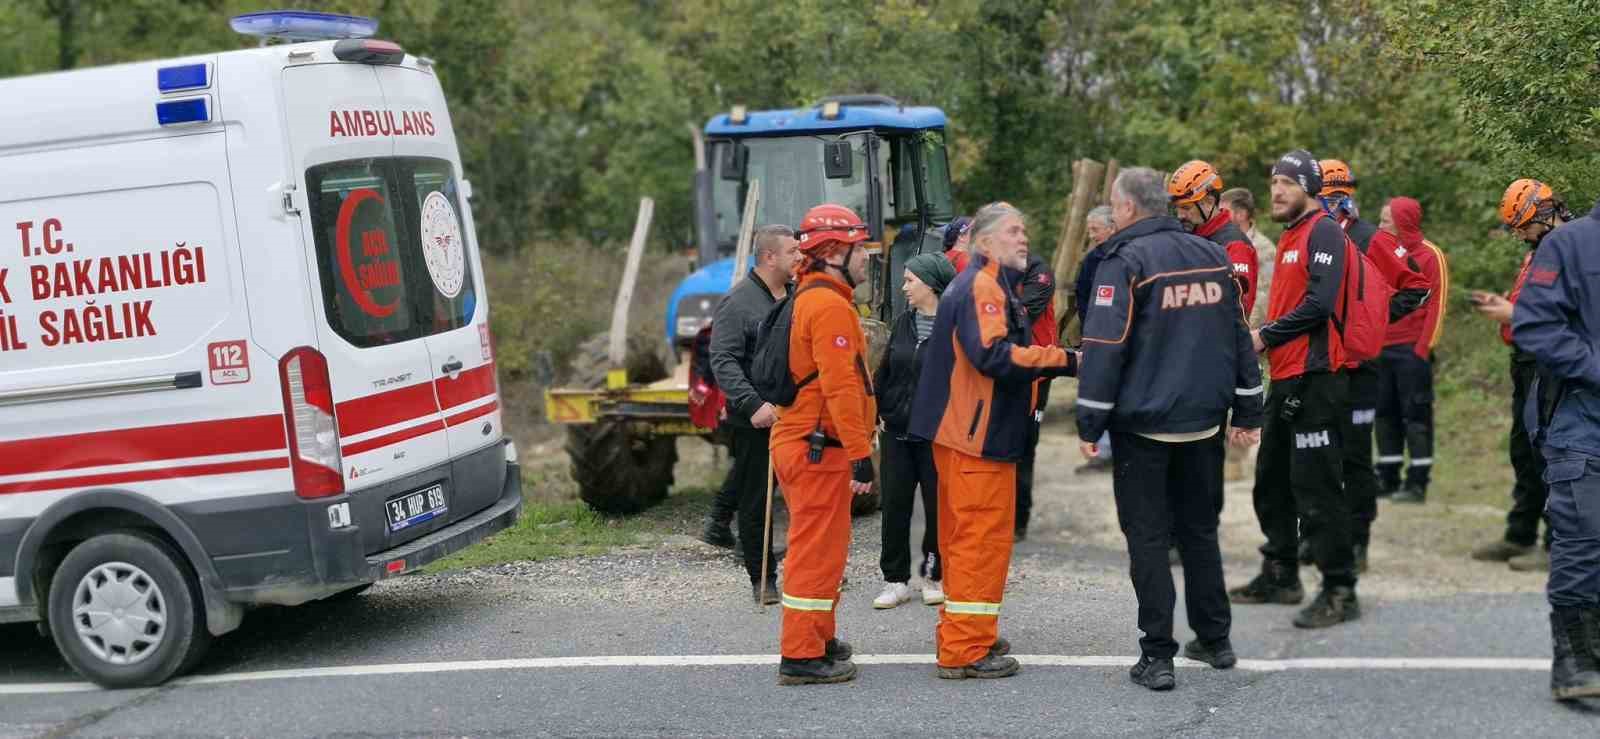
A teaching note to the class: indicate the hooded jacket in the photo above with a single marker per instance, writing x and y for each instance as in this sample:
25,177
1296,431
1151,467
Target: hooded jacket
1420,329
1241,253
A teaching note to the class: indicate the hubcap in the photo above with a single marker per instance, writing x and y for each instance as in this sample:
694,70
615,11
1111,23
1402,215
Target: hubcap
120,613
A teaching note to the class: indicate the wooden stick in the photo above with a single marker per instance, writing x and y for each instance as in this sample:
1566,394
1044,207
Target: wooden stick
766,543
747,230
618,349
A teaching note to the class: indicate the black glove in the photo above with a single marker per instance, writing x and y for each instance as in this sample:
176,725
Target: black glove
861,471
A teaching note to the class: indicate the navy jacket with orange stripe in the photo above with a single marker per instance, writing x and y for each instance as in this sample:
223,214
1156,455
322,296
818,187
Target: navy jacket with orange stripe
1165,346
975,394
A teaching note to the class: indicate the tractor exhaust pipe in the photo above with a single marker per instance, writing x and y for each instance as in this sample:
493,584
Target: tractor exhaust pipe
705,226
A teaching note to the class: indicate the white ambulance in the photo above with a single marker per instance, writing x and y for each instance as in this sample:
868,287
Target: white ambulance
244,341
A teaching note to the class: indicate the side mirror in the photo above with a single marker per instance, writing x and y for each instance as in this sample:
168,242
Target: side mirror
734,159
837,162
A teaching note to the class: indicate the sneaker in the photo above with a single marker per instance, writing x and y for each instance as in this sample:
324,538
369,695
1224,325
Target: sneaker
932,593
1270,586
838,650
1219,654
1537,560
718,534
893,594
990,667
1334,605
1412,494
1154,673
819,671
1499,550
768,598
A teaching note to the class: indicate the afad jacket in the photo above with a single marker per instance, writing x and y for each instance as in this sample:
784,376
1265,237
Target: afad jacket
825,337
1166,348
975,393
1422,329
1557,320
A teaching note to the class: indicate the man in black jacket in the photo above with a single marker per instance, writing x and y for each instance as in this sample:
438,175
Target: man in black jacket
1166,356
733,337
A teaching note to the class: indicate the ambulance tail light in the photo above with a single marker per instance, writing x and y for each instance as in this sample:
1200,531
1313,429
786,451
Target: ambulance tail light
313,435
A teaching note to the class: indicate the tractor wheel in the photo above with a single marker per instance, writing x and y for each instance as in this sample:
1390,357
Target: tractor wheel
618,470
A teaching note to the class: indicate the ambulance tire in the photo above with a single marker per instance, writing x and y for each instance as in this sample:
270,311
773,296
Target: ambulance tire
619,470
162,577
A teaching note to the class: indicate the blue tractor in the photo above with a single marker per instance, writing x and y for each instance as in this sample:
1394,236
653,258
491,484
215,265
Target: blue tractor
885,160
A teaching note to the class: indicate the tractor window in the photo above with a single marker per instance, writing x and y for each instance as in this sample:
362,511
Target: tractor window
936,173
790,170
905,180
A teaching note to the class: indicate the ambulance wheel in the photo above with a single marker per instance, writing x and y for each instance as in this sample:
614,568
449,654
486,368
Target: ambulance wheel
125,610
619,470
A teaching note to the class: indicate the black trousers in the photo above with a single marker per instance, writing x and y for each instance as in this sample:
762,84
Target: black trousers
748,480
907,467
726,503
1405,416
1528,494
1360,481
1025,477
1300,475
1171,493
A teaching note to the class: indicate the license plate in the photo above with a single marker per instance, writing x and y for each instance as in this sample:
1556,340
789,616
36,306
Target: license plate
415,508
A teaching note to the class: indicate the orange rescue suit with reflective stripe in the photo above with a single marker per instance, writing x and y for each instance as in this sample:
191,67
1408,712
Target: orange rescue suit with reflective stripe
826,338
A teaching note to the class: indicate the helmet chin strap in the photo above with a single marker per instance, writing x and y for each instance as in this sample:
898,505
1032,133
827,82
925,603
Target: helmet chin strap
844,269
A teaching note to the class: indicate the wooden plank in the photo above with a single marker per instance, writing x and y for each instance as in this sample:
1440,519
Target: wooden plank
747,229
1112,168
618,349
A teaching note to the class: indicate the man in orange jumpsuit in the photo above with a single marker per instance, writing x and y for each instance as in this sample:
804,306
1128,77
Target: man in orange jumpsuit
974,402
822,442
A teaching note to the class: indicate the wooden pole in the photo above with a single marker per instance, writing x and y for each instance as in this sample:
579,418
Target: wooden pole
618,349
747,230
1087,175
1112,168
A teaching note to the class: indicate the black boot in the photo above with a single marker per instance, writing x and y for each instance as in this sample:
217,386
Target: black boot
1334,605
1277,583
991,666
838,650
718,533
821,670
1413,493
769,597
1155,673
1573,671
1001,647
1218,654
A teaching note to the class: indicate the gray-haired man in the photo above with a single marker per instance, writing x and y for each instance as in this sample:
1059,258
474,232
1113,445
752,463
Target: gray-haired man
750,418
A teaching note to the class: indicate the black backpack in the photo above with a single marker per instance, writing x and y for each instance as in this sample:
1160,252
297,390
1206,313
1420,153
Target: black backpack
769,368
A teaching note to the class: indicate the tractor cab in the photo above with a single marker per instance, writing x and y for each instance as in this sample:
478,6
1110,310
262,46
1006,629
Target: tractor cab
882,159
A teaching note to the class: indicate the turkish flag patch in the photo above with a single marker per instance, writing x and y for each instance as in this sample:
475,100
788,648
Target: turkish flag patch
1044,279
841,342
1104,294
1542,276
991,308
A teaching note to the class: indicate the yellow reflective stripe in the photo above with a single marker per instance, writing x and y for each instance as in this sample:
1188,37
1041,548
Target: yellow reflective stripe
807,604
972,608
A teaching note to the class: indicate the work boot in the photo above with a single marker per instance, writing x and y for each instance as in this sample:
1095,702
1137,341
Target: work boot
1537,560
1218,654
819,671
1307,557
1499,550
1361,558
1573,672
1412,494
838,650
1276,584
768,598
1154,673
1334,605
991,666
718,534
1001,647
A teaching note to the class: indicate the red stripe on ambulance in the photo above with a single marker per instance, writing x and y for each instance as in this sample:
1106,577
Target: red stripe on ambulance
468,386
167,473
145,444
387,408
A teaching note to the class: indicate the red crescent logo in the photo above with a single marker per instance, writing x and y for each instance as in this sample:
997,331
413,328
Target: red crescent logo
347,267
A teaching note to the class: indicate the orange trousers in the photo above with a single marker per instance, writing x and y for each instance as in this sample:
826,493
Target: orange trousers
977,516
818,496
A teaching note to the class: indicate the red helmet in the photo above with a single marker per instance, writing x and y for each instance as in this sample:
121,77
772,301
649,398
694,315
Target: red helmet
830,225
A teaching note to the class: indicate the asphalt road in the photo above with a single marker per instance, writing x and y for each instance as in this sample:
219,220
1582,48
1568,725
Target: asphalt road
479,654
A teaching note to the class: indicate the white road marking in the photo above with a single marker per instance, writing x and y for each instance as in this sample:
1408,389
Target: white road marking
735,660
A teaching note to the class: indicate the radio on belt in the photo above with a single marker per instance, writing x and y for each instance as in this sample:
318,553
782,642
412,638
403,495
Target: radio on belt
270,353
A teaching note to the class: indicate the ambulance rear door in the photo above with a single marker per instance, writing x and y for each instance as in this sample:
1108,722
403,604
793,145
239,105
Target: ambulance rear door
459,344
373,299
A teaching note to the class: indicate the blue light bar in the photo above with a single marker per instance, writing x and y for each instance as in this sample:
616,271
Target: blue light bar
186,77
189,110
300,25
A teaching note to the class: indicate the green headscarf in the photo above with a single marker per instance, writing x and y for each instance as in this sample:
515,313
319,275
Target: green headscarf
933,269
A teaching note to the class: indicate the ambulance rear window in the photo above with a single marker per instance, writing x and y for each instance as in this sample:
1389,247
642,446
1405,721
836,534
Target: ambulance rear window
390,248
